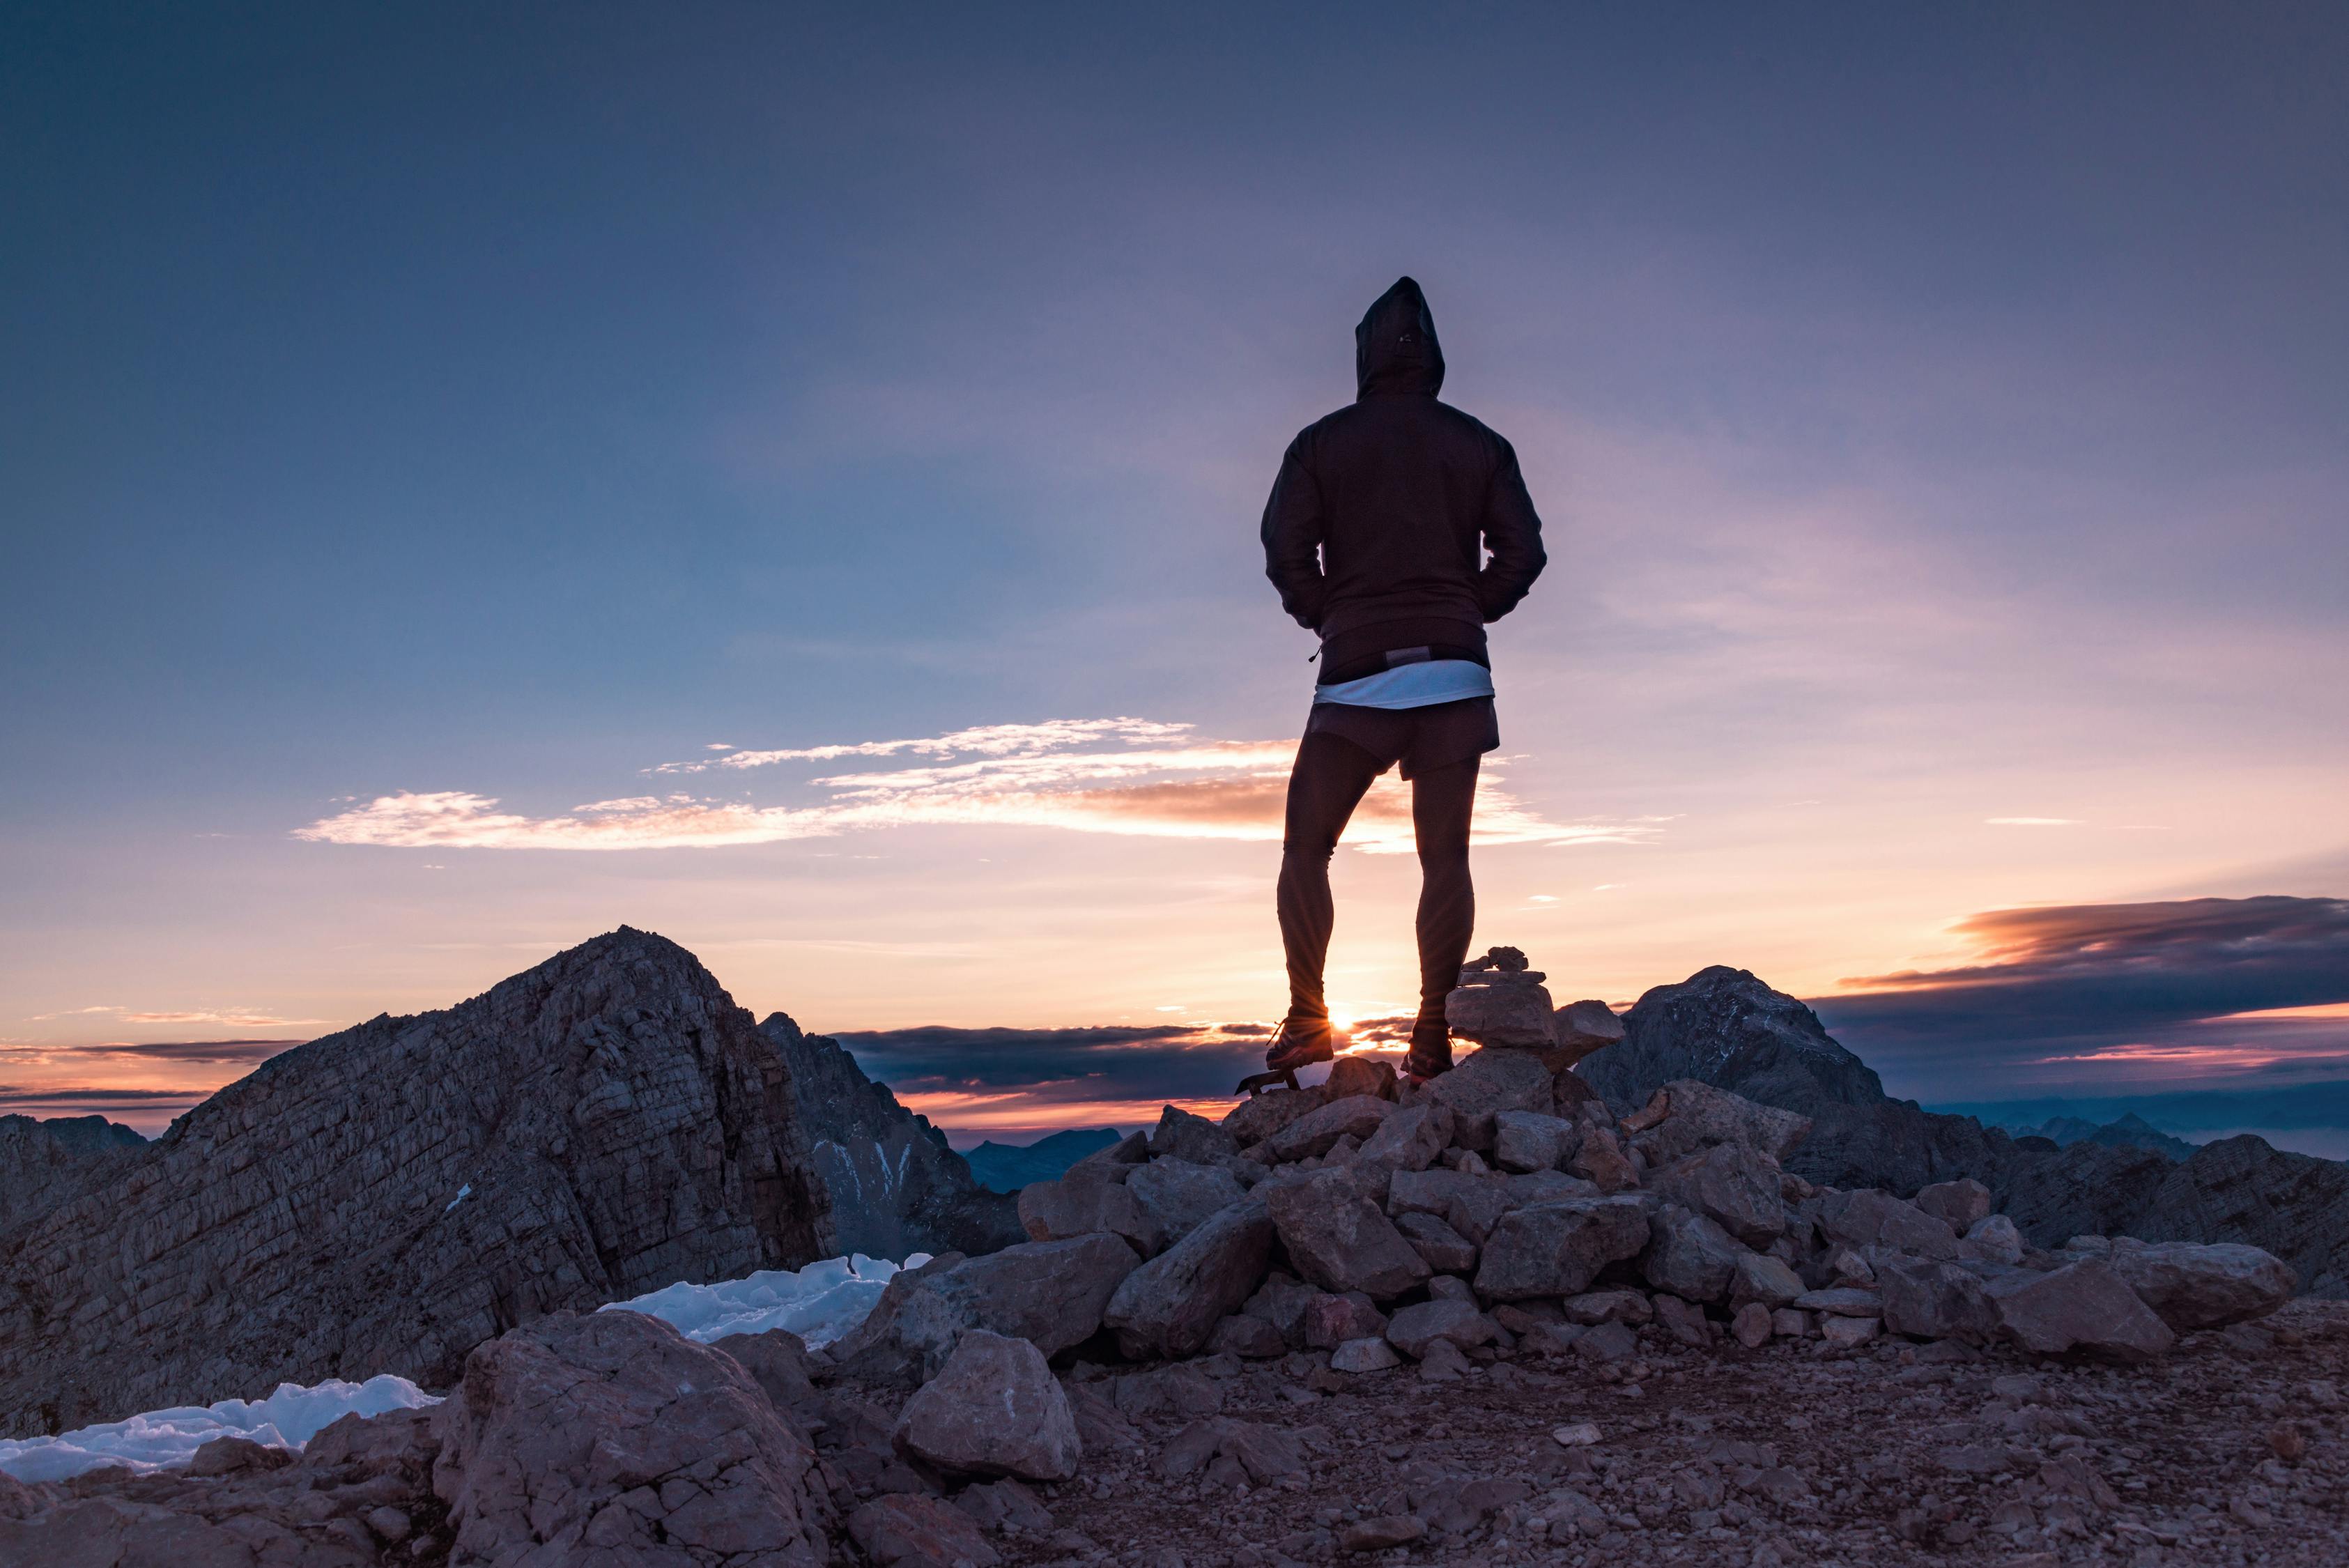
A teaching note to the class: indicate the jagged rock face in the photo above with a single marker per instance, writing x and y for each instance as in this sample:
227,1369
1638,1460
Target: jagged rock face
386,1199
1727,1028
43,1162
895,1187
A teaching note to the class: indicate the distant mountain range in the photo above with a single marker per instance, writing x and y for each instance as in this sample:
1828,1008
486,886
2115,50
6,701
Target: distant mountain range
1007,1168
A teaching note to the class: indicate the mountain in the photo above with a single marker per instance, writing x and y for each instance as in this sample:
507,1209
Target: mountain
41,1161
386,1199
2132,1131
895,1187
1008,1167
1727,1028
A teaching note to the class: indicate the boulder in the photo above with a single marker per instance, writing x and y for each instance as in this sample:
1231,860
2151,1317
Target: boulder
1689,1255
1960,1205
995,1410
1447,1251
1867,1217
777,1361
1502,1008
1469,1204
1557,1249
1751,1325
1600,1161
1084,1205
1315,1133
1582,1027
2083,1307
1413,1328
1842,1300
1547,1186
2190,1286
1734,1185
1171,1304
554,1421
1281,1300
1995,1239
1331,1320
1706,1116
1338,1239
1243,1334
1004,1505
1682,1321
1176,1196
1764,1278
1260,1116
915,1532
1183,1135
1114,1163
1531,1140
1358,1356
1410,1138
1488,1082
1846,1333
1935,1301
1360,1075
1051,1293
1594,1307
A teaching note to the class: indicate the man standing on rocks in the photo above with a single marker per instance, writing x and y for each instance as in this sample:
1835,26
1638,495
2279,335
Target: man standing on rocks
1377,536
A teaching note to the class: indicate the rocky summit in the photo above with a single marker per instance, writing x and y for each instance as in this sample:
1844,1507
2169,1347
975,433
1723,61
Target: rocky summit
388,1197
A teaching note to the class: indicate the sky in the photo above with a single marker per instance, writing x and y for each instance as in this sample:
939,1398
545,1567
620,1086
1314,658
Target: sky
788,477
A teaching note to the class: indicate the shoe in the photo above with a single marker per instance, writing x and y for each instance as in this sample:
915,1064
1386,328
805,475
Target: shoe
1300,1042
1431,1049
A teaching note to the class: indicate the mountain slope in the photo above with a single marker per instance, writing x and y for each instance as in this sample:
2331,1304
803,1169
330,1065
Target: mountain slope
894,1186
386,1199
41,1162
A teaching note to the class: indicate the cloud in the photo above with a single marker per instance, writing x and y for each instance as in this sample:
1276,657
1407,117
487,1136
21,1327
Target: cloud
236,1052
2032,821
2114,992
18,1097
235,1018
1161,783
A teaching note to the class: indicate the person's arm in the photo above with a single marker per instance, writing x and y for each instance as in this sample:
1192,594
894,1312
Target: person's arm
1512,533
1293,540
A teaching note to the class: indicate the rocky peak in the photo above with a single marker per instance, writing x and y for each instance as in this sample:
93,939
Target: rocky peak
385,1198
42,1161
1723,1026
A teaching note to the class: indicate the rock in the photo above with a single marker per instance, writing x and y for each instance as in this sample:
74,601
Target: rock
1726,1027
1498,1006
1751,1325
1546,1187
1682,1321
1557,1249
1593,1307
1282,1300
1443,1363
1333,1319
1840,1265
2287,1442
1701,1114
1870,1219
1469,1204
1259,1116
1760,1278
1579,1435
1450,1288
1790,1323
1360,1075
918,1531
1731,1184
1356,1116
1995,1239
18,1500
1358,1356
1379,1534
1689,1255
1843,1301
1601,1162
1050,1293
777,1361
1339,1239
1582,1027
1935,1301
893,1185
1410,1138
1171,1304
1960,1205
1488,1082
1182,1136
1530,1140
995,1410
1413,1328
555,1421
2084,1307
1005,1505
1086,1205
2190,1286
1245,1335
228,1456
1607,1342
1846,1331
1446,1251
1114,1163
621,1125
1177,1196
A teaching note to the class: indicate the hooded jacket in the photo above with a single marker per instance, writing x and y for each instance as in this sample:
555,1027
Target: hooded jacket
1379,522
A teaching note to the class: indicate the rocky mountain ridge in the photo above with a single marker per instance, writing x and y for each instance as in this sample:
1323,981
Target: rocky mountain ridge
42,1161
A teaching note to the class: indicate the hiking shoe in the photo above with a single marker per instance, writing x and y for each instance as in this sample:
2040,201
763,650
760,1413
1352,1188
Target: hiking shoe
1301,1041
1431,1049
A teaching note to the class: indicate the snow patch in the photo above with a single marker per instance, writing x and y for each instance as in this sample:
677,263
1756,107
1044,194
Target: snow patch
462,1193
820,1303
288,1418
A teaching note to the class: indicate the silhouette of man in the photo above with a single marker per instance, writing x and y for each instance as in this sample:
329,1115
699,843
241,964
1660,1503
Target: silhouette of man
1377,536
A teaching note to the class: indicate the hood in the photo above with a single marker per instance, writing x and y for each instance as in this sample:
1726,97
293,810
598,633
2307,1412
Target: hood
1396,348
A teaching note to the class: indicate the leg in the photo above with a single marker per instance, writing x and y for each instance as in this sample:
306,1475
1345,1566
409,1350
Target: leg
1442,802
1324,787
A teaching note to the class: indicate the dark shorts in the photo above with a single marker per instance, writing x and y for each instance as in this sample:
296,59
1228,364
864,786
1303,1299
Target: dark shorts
1420,739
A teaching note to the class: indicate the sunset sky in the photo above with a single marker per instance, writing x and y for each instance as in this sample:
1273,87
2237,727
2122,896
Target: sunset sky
787,477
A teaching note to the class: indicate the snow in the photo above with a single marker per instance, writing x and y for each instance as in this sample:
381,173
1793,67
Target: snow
462,1193
287,1419
820,1303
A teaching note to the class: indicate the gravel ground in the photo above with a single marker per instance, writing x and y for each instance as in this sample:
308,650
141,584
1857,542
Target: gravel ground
2232,1450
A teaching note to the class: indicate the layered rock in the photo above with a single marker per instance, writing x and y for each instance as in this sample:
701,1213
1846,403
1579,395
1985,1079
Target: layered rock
386,1199
894,1186
42,1163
